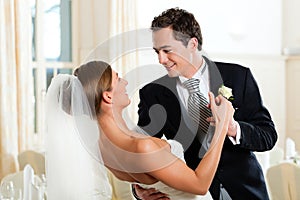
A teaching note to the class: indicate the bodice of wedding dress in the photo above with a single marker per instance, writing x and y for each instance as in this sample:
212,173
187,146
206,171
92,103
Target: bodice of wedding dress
177,150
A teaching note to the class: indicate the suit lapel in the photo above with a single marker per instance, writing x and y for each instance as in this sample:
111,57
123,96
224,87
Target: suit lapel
215,78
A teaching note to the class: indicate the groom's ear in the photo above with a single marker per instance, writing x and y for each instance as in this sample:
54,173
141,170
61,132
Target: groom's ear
193,44
107,97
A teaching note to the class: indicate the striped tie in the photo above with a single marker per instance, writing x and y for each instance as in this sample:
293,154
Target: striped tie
197,104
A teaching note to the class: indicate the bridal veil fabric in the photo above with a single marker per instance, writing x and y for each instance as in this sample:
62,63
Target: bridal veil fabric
74,169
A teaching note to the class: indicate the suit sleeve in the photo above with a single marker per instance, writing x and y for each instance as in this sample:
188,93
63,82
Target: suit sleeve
257,128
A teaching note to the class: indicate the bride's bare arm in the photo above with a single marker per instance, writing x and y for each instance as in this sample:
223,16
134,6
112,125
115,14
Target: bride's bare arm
181,177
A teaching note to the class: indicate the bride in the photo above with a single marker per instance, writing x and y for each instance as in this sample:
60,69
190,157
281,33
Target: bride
96,95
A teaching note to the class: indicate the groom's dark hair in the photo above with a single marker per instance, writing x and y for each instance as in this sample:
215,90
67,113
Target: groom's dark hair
183,24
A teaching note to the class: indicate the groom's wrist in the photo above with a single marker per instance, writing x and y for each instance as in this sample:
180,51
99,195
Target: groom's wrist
134,192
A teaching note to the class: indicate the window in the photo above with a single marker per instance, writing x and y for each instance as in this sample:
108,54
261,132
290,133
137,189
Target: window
52,49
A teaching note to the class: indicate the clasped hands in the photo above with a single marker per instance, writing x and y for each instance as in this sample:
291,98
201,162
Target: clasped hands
232,128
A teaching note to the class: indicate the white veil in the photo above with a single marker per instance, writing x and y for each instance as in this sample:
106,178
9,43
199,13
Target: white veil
74,171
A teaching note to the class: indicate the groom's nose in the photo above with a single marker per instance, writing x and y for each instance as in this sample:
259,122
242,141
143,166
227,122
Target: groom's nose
163,58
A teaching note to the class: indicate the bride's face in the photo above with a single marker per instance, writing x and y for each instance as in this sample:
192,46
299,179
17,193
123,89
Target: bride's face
120,96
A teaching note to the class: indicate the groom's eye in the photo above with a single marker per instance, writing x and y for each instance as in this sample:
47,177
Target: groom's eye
167,50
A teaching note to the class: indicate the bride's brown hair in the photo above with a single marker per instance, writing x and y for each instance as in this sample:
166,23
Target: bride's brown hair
95,77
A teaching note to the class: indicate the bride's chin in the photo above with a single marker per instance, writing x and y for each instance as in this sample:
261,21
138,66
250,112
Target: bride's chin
126,105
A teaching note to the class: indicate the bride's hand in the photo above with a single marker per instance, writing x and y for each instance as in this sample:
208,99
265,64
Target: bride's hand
221,109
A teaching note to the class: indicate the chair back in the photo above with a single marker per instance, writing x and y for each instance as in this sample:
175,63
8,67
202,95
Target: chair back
284,181
35,159
8,164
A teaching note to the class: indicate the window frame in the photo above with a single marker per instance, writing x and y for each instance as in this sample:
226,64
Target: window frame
40,64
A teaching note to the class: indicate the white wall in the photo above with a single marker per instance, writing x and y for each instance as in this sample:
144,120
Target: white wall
231,26
293,99
291,27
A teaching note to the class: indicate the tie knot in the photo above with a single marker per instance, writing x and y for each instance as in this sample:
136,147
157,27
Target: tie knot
192,85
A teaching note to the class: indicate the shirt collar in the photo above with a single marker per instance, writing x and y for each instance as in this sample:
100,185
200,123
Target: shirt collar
198,74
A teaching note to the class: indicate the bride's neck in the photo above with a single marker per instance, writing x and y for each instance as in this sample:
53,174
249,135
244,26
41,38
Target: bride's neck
112,120
115,130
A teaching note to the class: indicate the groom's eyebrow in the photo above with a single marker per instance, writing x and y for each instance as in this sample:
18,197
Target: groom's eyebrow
161,47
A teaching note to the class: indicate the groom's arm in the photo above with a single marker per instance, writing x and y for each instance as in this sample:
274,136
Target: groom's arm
134,192
257,128
147,194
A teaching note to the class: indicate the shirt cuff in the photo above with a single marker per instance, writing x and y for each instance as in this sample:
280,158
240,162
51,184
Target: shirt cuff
236,140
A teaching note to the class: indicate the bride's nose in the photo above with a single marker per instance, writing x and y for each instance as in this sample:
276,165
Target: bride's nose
125,81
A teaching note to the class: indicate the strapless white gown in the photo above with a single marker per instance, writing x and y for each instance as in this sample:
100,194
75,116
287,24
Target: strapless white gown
177,150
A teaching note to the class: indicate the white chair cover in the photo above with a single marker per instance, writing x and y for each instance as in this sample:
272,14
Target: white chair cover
35,159
24,181
284,181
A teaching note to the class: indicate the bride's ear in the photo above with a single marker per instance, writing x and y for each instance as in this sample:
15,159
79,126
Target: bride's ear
107,97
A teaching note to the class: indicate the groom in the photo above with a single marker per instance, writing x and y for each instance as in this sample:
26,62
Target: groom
177,40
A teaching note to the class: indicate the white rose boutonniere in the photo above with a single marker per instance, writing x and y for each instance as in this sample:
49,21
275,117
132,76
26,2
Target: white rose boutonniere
226,92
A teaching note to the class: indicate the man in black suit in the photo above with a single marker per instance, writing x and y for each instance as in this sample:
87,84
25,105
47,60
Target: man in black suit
177,40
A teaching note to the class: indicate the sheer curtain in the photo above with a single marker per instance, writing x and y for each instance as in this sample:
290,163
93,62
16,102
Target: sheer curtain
16,91
123,47
123,24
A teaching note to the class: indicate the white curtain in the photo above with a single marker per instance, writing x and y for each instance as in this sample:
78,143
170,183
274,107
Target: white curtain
16,91
123,47
123,24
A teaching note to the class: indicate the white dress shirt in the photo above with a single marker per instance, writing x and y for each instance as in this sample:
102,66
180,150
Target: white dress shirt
203,75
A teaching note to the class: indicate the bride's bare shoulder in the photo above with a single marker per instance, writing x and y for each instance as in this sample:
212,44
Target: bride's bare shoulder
150,144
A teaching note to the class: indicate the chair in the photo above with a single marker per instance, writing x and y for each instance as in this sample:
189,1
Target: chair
35,159
284,181
8,165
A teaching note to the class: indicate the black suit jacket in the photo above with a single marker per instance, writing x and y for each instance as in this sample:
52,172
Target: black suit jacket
238,171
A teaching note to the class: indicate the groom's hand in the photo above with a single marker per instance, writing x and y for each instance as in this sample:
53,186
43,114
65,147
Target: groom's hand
149,194
232,128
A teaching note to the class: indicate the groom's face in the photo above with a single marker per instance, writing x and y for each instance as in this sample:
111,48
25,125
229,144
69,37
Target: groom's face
172,54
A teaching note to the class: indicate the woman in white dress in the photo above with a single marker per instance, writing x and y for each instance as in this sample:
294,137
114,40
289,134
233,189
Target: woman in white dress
131,156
